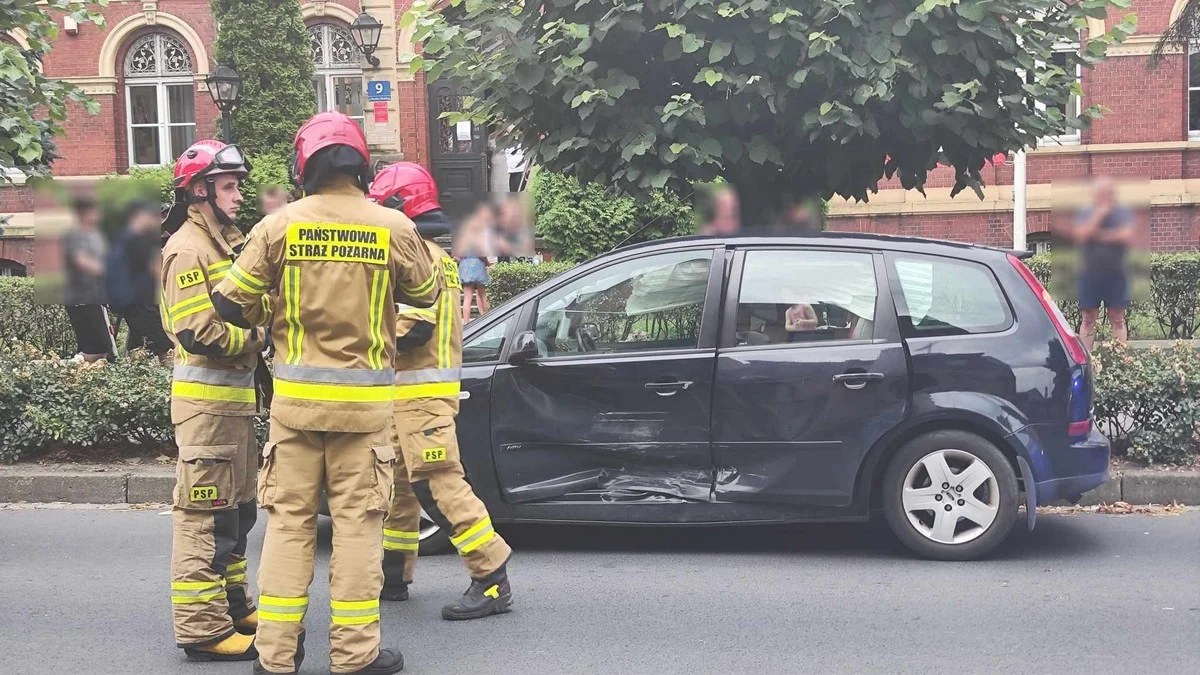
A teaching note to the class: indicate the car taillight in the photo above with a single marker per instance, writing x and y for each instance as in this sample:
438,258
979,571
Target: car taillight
1067,334
1083,428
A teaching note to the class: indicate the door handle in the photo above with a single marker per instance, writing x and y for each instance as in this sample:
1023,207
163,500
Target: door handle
857,380
667,388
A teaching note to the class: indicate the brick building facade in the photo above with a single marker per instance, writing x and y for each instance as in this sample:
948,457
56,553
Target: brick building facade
146,69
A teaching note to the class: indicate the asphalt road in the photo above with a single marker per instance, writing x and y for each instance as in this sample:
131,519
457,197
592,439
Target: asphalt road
85,591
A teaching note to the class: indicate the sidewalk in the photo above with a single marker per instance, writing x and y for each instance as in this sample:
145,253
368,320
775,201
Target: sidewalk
141,484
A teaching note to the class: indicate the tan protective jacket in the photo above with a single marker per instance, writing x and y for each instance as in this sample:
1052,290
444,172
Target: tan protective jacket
340,263
428,374
214,360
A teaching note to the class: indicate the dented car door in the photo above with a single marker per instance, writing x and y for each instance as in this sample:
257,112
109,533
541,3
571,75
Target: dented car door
616,406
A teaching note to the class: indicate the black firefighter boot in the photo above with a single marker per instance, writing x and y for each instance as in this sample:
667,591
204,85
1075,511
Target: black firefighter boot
389,661
395,591
486,596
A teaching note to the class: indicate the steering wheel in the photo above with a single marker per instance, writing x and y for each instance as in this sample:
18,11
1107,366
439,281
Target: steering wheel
586,343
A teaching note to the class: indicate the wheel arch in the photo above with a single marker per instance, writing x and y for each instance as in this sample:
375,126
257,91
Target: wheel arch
869,486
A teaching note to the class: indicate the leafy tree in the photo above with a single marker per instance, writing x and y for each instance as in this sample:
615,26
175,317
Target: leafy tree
32,105
267,42
1181,34
784,99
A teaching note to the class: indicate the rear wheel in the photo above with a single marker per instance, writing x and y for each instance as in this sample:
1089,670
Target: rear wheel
950,495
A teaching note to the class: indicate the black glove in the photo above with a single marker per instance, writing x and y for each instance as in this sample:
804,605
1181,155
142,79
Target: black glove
416,337
264,385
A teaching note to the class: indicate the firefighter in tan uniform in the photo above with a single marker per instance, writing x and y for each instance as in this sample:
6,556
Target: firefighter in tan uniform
340,264
213,400
428,361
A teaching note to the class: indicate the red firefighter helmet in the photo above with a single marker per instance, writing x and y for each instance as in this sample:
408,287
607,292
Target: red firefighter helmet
324,130
408,186
207,158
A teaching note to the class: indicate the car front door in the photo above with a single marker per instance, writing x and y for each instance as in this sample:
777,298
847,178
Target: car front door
615,407
811,373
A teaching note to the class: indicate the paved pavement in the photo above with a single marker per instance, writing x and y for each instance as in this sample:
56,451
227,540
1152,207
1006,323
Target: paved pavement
85,591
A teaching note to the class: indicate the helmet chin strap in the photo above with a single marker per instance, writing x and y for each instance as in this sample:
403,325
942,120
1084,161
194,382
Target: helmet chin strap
222,217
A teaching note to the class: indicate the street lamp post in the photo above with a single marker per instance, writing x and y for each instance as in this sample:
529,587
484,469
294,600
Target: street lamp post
366,30
225,86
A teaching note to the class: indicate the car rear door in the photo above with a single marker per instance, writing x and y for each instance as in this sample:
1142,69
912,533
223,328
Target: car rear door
616,408
811,372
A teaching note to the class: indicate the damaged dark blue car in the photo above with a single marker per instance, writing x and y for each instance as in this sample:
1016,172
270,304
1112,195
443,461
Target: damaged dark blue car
771,380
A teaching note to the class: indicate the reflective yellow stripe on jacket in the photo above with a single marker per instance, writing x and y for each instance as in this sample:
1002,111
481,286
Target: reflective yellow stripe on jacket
342,385
210,384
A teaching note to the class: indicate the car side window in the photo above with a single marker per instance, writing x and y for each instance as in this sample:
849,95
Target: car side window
806,296
487,345
949,297
649,303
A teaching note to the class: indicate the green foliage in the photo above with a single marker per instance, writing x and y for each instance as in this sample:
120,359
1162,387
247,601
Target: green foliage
52,403
581,222
1148,402
33,106
21,318
511,279
267,42
785,100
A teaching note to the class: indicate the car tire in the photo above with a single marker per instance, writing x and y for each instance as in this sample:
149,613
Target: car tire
959,524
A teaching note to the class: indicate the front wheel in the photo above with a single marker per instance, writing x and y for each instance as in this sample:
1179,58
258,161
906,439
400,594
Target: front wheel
950,495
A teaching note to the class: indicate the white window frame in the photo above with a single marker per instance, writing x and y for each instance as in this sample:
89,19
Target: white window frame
1074,137
161,83
1193,134
328,74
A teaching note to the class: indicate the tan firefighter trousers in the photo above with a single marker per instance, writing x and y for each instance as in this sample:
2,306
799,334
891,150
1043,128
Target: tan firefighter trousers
213,512
432,476
356,471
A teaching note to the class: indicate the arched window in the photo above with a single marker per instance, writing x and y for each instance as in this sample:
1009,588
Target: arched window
160,104
339,76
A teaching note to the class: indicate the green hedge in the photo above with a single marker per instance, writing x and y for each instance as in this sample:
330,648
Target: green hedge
510,279
1166,301
1148,401
582,222
21,319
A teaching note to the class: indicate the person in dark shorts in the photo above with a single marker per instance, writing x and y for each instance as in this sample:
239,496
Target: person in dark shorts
134,265
84,251
1103,233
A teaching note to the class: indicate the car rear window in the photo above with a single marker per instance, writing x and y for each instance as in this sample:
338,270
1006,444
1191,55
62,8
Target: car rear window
949,297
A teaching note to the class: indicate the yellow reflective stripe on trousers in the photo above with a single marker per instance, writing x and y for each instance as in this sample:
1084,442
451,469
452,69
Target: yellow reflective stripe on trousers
246,282
352,613
192,305
399,540
375,318
213,392
235,573
438,390
291,298
475,537
340,393
193,592
286,610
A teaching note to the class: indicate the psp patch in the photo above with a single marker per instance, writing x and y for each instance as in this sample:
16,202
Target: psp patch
190,278
434,455
450,273
204,493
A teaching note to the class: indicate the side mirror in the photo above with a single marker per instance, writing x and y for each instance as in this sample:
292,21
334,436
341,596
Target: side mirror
524,348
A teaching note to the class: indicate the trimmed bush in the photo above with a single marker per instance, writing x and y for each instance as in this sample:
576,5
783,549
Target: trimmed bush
1148,401
510,279
46,327
582,222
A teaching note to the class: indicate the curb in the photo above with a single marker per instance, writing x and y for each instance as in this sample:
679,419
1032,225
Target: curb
101,485
154,485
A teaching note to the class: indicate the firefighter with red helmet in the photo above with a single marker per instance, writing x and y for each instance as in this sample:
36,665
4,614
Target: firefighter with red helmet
339,264
214,396
428,364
